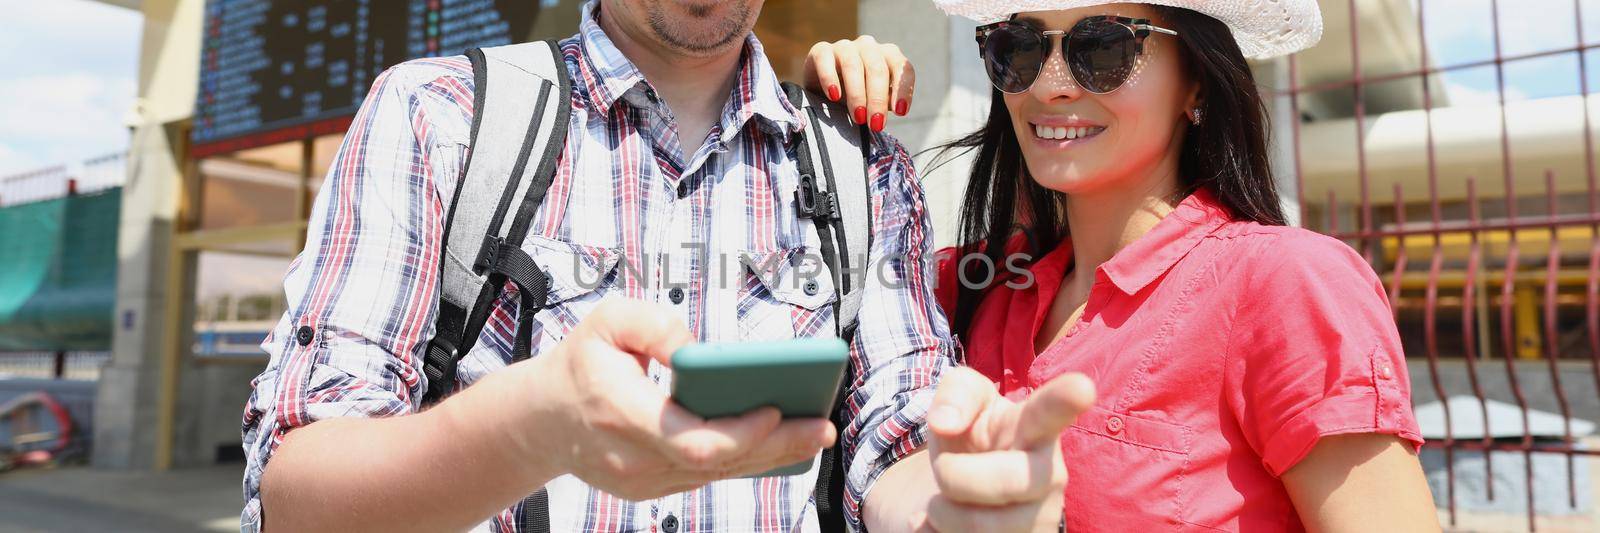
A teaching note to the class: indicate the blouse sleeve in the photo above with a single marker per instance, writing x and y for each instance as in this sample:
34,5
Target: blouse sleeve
1314,352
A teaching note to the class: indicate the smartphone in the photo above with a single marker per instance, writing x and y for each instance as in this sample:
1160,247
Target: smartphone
800,377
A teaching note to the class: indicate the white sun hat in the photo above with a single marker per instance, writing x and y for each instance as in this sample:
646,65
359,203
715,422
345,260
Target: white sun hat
1263,28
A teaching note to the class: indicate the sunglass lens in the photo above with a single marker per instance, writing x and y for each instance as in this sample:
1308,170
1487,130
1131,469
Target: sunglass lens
1013,56
1101,54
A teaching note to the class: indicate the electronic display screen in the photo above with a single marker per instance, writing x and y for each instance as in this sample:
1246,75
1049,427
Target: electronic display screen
279,70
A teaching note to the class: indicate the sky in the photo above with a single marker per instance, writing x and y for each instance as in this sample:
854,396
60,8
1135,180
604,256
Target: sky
1460,31
68,71
68,68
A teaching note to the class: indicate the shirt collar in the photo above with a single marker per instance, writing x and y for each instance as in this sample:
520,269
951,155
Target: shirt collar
608,76
1134,267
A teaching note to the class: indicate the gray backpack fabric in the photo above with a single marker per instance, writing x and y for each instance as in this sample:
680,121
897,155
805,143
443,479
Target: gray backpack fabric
511,163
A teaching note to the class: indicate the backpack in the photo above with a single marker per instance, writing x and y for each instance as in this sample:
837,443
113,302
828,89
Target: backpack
514,146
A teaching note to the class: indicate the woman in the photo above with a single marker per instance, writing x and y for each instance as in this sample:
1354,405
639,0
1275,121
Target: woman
1122,222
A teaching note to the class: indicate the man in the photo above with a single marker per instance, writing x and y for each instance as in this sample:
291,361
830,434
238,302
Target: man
679,135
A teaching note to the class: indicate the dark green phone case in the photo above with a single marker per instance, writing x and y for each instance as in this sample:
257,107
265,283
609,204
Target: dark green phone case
800,377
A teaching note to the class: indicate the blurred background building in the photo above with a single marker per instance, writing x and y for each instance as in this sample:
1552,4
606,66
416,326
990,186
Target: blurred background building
1449,141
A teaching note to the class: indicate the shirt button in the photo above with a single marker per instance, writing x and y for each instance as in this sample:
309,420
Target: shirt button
1114,424
304,335
683,189
811,287
669,524
1385,372
676,295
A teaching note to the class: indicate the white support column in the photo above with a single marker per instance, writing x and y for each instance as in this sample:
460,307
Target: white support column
126,407
1281,117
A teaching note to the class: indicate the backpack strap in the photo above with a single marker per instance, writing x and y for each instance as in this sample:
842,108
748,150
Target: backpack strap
481,252
835,195
838,202
500,169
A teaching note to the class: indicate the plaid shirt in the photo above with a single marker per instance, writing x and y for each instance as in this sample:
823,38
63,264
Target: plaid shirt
362,295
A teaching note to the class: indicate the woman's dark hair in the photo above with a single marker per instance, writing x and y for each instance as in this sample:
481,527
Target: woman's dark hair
1226,152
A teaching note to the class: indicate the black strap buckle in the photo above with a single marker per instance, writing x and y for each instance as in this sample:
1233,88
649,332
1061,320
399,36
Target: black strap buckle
439,365
442,353
810,202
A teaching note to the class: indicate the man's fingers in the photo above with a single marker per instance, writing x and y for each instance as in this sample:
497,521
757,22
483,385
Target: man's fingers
997,478
1051,408
644,329
793,441
700,444
962,395
822,71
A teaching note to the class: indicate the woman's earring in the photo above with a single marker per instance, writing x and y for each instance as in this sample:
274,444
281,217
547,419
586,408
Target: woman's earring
1194,116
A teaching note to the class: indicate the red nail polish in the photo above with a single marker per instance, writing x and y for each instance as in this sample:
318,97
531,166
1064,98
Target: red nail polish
900,108
861,115
833,93
877,122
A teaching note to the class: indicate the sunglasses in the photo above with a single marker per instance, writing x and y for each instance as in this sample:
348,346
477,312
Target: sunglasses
1100,51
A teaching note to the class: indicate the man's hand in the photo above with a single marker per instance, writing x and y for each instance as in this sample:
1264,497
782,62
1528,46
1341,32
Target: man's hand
991,464
606,422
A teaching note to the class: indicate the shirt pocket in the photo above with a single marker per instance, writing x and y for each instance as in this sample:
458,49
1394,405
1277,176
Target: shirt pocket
787,293
579,276
1117,458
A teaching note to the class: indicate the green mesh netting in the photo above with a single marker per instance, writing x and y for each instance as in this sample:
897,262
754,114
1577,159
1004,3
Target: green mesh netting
58,272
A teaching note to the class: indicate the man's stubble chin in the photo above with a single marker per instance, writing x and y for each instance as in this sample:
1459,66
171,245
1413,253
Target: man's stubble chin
706,33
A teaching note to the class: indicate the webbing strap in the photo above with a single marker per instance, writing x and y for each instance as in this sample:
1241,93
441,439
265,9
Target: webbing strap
534,285
839,216
475,229
536,512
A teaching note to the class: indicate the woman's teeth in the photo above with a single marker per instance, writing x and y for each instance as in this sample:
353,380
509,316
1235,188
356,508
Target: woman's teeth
1056,133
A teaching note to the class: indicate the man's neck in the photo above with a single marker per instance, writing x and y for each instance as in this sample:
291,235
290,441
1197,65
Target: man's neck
695,88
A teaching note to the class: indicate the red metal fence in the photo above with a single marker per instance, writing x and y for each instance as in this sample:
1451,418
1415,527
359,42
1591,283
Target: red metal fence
1385,245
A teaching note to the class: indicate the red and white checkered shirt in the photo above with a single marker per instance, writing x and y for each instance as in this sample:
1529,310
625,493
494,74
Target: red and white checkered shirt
625,200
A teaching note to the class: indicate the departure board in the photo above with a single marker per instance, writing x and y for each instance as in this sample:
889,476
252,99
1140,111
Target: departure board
278,70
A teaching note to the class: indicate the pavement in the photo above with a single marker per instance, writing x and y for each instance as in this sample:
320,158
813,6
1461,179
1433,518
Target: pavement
80,498
207,499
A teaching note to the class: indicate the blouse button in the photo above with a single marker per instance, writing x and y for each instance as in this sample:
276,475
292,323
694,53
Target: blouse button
1385,372
1114,424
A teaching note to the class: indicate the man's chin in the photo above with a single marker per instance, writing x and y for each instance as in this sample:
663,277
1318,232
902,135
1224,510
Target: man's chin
700,8
703,45
696,27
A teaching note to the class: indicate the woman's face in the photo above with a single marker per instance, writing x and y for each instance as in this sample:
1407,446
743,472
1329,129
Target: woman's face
1129,131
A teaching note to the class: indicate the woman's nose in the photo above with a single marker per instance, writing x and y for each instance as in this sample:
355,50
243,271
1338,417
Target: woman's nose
1055,78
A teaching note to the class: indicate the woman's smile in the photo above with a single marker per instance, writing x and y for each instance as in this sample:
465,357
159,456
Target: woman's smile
1059,132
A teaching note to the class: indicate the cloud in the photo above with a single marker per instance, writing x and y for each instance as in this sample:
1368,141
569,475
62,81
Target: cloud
1460,31
67,79
63,106
76,33
60,118
1461,94
13,161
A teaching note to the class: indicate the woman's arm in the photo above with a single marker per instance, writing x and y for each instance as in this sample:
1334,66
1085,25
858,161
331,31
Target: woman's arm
1361,482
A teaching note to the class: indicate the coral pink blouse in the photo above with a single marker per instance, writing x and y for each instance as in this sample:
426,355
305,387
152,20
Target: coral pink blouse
1222,352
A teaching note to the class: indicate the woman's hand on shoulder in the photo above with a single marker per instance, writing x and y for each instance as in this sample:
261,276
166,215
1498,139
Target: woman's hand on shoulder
872,79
